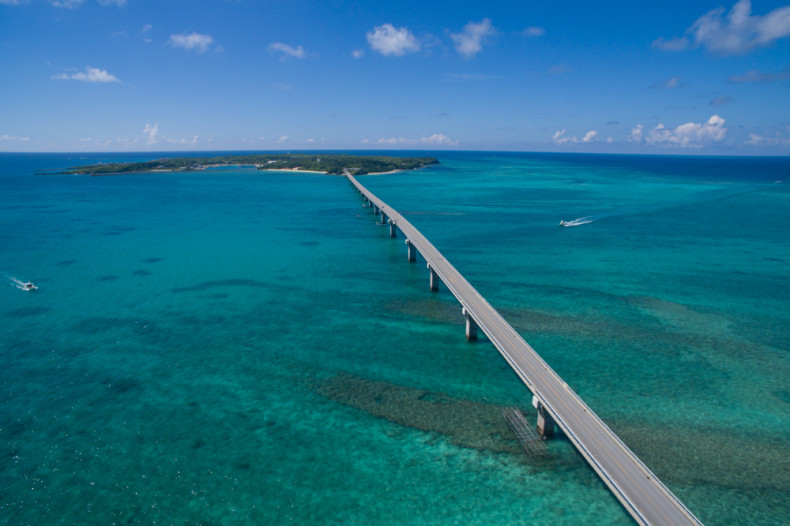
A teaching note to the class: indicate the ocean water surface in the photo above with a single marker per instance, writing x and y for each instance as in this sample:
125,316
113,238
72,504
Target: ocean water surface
244,347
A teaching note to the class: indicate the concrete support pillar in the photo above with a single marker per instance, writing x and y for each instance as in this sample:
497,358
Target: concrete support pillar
393,229
375,210
471,326
545,420
412,251
434,279
383,217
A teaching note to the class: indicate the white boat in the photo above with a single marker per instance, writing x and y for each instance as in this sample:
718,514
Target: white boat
29,286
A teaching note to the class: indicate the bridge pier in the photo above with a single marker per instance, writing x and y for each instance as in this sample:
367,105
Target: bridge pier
545,420
383,217
393,229
375,210
412,251
434,279
471,326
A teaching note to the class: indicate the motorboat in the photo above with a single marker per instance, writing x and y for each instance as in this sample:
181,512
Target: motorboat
29,286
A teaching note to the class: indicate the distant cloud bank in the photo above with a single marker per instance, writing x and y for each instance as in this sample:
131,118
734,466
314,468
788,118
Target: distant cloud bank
437,139
689,135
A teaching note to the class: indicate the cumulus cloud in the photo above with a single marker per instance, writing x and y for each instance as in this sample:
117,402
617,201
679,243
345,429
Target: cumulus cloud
733,32
389,40
152,132
590,136
636,134
761,77
559,137
90,75
469,42
437,139
288,51
689,135
196,41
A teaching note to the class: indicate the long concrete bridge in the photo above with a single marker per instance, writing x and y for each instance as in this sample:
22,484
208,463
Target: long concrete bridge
635,486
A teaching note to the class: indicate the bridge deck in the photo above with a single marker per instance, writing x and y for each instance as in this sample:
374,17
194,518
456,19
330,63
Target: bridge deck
635,486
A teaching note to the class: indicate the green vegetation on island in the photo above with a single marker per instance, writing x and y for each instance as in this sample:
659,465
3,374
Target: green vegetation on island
330,163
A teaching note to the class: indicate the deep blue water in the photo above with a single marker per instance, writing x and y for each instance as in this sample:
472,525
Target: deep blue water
232,347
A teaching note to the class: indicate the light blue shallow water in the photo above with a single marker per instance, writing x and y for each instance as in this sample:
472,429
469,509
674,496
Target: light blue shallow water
239,347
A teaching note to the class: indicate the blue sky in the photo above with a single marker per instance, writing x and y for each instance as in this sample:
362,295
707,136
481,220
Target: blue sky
690,77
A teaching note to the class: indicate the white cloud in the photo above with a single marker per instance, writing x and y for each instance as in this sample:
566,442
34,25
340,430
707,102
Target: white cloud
119,3
558,137
90,75
282,139
469,42
533,31
9,2
358,53
288,51
152,132
437,139
590,136
736,31
689,135
388,40
14,138
195,41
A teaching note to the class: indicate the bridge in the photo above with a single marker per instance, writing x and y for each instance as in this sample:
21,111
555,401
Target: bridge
642,494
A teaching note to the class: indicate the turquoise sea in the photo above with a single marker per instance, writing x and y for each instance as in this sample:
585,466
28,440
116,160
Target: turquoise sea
244,347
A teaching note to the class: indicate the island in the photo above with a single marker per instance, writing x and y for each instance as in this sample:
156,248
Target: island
329,163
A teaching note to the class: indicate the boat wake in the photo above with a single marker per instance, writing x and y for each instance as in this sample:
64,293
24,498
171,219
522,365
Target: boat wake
21,285
697,198
578,222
